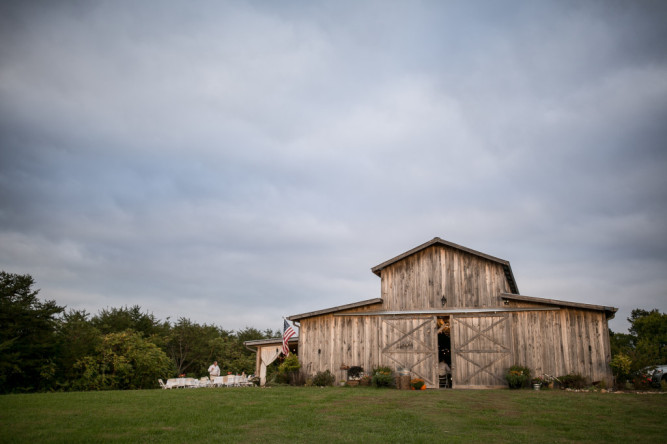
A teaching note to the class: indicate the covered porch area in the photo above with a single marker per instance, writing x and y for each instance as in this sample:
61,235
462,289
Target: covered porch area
268,350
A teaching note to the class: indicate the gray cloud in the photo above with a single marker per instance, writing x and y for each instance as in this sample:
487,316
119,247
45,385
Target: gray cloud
234,163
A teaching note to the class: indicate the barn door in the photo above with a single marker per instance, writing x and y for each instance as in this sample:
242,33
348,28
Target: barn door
411,343
480,350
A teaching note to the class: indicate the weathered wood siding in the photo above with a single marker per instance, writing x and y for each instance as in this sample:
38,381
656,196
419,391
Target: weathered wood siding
559,342
422,279
411,342
327,342
481,350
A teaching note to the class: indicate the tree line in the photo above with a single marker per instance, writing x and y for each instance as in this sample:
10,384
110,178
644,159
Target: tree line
44,347
644,346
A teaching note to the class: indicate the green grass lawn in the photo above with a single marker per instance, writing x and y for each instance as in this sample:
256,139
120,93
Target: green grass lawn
334,414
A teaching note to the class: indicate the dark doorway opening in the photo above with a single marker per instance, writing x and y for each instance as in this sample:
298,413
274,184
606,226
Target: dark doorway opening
444,352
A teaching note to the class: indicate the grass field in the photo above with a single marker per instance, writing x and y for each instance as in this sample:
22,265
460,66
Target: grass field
335,414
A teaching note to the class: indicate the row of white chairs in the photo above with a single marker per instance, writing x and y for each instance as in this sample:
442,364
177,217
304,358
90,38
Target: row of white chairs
218,381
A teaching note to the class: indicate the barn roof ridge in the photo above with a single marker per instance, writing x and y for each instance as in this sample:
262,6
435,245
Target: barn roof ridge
438,241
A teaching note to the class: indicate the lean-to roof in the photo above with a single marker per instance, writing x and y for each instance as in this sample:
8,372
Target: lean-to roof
609,311
335,309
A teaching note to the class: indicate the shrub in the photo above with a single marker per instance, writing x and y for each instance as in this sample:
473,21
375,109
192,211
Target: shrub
290,364
324,378
288,371
620,366
572,381
641,381
382,377
517,377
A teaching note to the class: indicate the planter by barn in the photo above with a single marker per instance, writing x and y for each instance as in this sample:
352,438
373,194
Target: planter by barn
444,303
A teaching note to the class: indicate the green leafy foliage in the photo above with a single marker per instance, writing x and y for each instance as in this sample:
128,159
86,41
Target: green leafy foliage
288,371
382,377
621,366
123,361
572,381
645,344
290,364
323,379
517,377
77,338
28,341
116,320
44,348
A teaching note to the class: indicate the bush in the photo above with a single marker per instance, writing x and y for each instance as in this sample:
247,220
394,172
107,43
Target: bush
290,364
382,377
621,365
641,381
324,378
288,371
517,377
572,381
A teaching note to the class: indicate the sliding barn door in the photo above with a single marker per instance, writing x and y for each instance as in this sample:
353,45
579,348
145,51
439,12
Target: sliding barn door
411,343
481,350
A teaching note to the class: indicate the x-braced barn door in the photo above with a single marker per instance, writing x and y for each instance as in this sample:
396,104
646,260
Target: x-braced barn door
411,343
481,350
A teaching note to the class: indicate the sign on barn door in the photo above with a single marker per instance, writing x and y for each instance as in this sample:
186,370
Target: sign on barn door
480,350
411,343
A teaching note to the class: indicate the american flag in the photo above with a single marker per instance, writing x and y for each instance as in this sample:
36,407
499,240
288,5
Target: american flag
288,332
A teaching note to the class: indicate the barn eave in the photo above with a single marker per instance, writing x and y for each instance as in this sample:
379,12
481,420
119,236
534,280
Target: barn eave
338,308
609,311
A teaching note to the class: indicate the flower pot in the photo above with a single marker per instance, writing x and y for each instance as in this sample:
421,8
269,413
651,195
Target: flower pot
537,386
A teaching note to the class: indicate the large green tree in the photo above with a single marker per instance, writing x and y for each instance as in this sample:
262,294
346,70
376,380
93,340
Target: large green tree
77,337
644,345
123,360
193,347
28,341
116,320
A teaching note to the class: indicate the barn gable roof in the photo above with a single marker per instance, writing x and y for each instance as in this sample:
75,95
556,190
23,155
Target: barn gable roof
437,241
609,311
335,309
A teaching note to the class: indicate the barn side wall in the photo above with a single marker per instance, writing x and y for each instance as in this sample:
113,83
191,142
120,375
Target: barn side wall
421,280
327,342
560,342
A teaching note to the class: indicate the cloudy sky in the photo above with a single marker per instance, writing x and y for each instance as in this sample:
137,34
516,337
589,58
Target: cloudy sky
235,162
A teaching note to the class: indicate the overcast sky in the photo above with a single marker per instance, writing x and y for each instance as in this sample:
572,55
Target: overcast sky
233,163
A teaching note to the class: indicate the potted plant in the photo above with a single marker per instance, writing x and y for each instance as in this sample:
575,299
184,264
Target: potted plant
418,384
537,382
355,372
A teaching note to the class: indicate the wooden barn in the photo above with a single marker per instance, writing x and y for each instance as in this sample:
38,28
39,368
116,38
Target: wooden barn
445,306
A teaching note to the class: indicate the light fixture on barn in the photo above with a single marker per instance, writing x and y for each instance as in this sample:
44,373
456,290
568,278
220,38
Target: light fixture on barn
443,301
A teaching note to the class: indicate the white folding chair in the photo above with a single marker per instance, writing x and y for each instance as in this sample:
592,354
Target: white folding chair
204,381
162,384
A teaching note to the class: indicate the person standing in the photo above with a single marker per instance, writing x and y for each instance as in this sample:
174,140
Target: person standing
214,370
